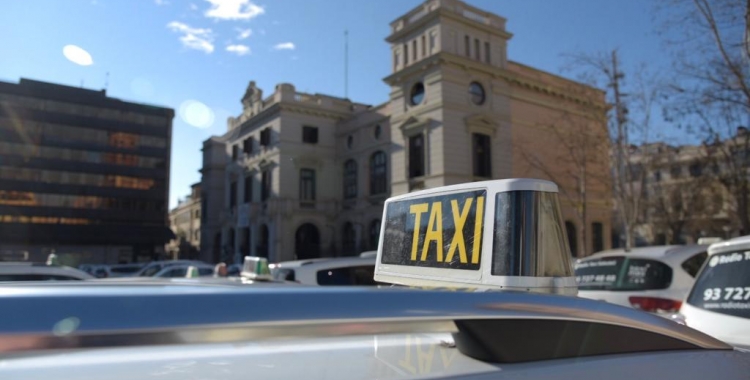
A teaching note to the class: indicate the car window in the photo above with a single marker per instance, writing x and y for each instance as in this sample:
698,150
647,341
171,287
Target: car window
723,286
359,275
151,270
36,277
284,274
205,271
693,264
621,273
124,269
175,272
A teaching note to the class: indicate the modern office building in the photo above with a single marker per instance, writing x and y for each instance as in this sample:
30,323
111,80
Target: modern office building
81,174
301,175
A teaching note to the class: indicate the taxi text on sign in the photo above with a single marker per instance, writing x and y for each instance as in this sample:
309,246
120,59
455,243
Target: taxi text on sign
441,232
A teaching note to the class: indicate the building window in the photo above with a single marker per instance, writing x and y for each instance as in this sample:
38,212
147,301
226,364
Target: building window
414,50
696,169
424,46
265,137
416,156
248,189
482,157
307,185
395,60
233,194
597,232
432,42
477,93
377,132
417,94
406,54
657,176
467,46
247,145
477,52
378,173
487,55
235,152
349,142
310,135
675,171
265,179
570,229
349,242
374,234
350,179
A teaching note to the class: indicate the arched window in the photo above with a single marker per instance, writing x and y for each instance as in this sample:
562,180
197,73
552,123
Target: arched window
307,242
349,240
378,173
374,233
350,179
570,229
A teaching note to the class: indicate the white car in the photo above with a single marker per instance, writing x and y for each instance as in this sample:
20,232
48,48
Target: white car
180,270
25,271
719,303
358,270
653,279
155,267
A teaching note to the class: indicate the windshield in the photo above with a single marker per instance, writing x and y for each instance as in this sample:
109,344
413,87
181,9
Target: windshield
150,270
620,273
723,286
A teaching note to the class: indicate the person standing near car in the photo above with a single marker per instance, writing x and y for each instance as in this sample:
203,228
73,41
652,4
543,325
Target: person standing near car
220,270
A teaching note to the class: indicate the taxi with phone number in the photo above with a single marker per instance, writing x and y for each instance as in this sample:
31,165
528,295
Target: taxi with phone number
500,303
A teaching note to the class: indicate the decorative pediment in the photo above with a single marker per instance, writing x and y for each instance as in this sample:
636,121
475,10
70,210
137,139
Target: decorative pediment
481,123
414,124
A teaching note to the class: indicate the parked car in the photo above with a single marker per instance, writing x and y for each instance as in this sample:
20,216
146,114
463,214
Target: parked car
180,270
26,271
155,267
719,302
327,271
654,279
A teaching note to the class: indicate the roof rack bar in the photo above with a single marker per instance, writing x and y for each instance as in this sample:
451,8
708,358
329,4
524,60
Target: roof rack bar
45,317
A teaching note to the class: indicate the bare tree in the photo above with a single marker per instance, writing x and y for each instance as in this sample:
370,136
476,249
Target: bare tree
711,90
578,165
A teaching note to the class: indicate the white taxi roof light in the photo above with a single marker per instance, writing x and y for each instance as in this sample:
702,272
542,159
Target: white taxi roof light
192,272
256,268
52,260
503,234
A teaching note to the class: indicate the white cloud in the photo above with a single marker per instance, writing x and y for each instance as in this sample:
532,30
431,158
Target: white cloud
194,38
284,46
193,7
239,49
243,33
233,10
161,2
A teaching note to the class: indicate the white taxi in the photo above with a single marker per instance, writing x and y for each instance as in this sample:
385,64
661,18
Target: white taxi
489,237
654,279
719,303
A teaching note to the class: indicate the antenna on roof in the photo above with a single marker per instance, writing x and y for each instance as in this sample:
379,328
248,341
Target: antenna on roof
346,63
106,81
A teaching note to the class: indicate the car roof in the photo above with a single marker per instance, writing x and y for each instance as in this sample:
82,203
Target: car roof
741,242
113,318
325,262
178,266
659,252
38,268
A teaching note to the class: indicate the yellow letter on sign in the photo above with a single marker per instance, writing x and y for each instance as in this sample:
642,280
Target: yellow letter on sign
434,232
475,250
458,235
417,210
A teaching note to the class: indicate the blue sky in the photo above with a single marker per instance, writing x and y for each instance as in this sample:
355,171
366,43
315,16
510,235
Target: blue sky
177,53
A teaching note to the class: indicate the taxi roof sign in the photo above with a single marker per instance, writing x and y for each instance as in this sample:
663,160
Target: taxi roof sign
501,234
